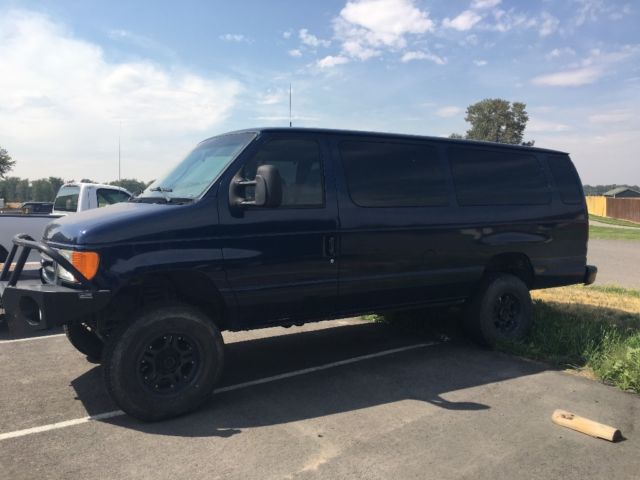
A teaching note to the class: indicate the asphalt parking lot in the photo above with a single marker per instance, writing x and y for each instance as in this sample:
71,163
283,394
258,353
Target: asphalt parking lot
340,399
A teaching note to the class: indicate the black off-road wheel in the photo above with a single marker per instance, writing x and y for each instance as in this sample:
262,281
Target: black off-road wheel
85,341
500,311
165,363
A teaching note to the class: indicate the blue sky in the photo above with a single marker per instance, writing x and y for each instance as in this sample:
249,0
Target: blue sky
169,74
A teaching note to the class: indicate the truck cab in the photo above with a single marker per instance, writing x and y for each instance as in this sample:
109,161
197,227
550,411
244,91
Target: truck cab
78,197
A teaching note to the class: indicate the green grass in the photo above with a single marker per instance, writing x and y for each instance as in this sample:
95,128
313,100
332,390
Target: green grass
593,329
609,233
587,328
614,221
616,290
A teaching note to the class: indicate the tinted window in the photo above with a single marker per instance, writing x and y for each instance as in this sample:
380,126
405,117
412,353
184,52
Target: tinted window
566,178
299,165
486,177
67,199
393,174
109,197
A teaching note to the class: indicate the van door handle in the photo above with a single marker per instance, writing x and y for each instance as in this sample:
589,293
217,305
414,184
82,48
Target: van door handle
330,246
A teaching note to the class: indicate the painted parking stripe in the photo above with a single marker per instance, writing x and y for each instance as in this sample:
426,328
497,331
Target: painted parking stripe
238,386
41,337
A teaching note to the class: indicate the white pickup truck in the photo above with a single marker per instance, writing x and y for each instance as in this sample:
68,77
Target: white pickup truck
71,198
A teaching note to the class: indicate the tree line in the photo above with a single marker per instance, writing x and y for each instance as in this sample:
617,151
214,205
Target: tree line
600,189
16,189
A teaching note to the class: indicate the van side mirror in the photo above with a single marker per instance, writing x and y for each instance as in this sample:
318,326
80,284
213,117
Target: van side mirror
268,189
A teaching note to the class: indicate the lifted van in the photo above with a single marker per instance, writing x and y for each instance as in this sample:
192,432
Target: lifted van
279,226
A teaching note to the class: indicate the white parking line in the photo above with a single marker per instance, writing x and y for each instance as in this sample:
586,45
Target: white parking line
42,337
238,386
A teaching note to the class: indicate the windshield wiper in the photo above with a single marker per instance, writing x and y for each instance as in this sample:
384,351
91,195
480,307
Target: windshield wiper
161,189
165,199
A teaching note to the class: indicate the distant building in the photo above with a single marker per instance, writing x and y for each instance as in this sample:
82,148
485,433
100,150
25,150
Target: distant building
622,192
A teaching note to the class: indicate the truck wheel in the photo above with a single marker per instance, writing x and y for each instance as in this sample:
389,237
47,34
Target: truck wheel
85,341
500,311
165,363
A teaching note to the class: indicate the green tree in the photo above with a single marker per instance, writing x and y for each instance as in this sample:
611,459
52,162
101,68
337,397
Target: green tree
6,163
41,190
134,186
497,120
23,190
56,183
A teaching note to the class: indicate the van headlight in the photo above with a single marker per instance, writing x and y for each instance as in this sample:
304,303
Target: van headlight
85,262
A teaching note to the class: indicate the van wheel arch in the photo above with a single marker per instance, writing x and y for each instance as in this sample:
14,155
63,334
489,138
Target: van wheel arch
187,287
513,263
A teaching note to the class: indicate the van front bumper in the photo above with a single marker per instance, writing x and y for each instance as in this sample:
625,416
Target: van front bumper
39,306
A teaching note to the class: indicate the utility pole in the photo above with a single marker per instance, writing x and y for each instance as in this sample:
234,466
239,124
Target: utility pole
290,122
119,135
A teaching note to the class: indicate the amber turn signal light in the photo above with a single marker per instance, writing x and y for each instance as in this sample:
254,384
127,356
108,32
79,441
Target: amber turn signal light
86,263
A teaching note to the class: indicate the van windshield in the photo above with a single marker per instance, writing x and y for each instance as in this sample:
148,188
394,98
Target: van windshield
193,176
67,199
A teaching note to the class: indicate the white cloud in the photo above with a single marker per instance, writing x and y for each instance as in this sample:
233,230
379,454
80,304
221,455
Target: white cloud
331,61
273,97
548,24
480,4
559,52
590,69
287,34
463,22
234,37
355,49
296,52
420,55
447,112
613,116
480,63
311,40
569,78
505,21
61,105
536,126
138,40
368,27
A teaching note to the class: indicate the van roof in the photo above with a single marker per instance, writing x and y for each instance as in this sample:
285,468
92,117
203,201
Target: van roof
330,131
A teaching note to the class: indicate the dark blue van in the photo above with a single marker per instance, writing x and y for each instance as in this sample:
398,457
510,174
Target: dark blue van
283,226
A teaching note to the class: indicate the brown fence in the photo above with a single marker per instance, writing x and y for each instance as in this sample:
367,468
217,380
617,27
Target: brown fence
622,208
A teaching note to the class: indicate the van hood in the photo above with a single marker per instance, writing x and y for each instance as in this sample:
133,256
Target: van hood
131,222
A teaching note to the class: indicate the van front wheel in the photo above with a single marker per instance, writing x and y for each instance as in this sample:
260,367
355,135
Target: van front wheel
84,340
165,363
500,311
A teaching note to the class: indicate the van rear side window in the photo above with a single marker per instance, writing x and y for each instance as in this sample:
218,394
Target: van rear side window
566,179
394,174
487,177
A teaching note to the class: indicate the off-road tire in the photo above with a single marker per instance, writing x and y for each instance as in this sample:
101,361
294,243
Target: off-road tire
165,363
500,311
85,341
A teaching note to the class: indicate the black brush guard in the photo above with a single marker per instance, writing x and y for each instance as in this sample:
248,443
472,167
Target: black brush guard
42,306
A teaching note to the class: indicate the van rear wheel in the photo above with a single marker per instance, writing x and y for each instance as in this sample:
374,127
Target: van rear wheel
165,363
501,311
